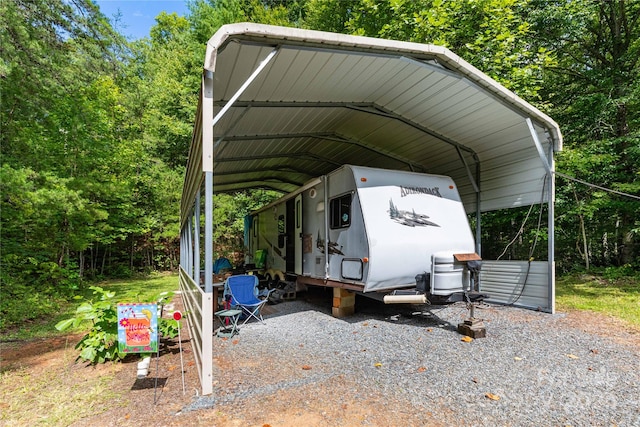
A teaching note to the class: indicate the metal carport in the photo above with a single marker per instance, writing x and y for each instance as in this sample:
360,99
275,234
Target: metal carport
279,106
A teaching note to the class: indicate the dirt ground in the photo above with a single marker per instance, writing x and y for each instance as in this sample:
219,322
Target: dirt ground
130,401
160,398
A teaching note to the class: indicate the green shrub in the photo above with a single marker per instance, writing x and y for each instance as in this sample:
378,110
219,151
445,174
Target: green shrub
20,303
32,289
100,344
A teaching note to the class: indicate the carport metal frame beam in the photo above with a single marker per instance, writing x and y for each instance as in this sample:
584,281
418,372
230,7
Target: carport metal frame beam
329,136
365,107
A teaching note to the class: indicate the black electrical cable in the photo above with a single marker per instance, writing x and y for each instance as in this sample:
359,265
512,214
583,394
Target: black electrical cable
620,193
533,245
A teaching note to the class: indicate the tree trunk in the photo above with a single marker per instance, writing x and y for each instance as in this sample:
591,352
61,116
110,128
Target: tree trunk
104,258
81,263
626,242
583,232
92,260
61,257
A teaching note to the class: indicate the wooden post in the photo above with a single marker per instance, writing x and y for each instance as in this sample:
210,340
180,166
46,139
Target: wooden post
344,302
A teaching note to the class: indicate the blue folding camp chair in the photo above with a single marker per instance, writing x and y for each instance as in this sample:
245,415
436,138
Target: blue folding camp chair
243,290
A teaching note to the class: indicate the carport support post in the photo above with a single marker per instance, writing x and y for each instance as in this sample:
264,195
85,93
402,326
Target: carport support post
551,195
344,302
206,371
196,241
478,214
549,165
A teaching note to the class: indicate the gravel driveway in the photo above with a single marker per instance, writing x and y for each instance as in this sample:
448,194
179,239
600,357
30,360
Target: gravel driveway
398,365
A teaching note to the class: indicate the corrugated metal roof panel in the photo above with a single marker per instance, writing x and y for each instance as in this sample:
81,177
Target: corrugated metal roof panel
328,99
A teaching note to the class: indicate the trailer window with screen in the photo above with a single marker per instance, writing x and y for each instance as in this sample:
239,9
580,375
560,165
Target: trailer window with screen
340,211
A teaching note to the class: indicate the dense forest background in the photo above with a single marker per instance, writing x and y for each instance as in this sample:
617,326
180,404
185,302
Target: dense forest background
95,129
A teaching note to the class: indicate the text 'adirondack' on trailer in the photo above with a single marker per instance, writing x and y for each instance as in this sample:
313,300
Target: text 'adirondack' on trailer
380,232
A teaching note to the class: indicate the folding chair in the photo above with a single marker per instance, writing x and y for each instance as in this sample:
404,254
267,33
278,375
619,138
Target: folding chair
243,290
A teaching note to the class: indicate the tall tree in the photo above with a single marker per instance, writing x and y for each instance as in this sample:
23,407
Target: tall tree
490,34
58,59
594,92
60,120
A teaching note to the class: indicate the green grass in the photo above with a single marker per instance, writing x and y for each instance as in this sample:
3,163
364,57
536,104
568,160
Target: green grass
64,393
613,295
127,290
142,290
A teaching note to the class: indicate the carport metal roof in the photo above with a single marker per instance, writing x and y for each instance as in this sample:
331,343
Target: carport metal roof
285,105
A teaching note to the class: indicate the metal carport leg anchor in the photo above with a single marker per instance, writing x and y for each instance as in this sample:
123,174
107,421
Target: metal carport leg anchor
471,326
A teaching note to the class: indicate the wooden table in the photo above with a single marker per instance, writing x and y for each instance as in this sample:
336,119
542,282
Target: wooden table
217,287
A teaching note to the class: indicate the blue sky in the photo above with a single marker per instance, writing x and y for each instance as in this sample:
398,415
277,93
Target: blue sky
139,15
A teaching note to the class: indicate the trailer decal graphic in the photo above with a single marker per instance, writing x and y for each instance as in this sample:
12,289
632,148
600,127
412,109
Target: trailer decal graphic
410,219
333,246
433,191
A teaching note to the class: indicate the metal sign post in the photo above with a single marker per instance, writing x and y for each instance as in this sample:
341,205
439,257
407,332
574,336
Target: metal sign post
177,316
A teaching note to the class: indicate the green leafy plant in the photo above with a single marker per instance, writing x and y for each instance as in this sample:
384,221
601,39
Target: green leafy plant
100,344
168,328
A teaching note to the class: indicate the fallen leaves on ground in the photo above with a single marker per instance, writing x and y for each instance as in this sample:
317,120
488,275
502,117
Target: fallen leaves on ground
492,396
466,339
422,369
377,364
306,367
572,356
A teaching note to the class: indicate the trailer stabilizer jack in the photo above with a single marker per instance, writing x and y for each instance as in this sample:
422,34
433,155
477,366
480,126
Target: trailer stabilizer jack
473,328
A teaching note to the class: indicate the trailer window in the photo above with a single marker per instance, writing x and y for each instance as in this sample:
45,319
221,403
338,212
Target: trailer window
340,211
281,232
281,224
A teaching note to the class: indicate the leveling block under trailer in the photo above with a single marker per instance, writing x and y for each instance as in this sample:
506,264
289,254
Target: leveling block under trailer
402,237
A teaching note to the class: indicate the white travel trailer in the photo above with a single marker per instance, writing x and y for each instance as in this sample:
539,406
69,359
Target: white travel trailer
368,230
